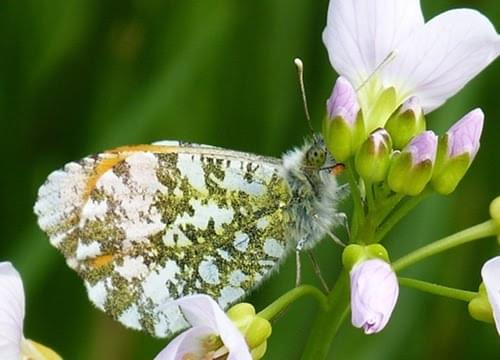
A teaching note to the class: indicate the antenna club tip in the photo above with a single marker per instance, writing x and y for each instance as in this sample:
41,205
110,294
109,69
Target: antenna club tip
298,62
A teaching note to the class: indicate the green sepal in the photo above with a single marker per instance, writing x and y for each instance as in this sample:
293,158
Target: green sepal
480,308
377,251
257,332
406,178
448,171
372,164
404,126
495,211
342,138
255,328
385,104
354,254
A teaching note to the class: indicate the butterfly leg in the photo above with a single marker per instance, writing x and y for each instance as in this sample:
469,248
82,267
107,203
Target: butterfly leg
343,192
328,232
317,270
298,268
341,218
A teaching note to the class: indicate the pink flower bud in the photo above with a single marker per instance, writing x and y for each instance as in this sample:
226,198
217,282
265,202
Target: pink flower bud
343,102
423,148
463,136
374,292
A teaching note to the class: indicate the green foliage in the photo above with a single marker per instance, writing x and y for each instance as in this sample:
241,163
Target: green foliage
80,76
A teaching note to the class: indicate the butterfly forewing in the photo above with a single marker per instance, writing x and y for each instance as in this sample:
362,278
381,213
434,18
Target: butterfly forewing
144,225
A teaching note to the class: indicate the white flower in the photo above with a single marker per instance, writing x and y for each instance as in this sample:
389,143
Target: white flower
13,345
388,53
491,279
374,292
212,334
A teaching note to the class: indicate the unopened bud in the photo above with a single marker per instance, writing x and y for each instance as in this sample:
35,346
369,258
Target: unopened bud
373,157
255,328
343,128
495,211
480,308
407,122
457,148
411,170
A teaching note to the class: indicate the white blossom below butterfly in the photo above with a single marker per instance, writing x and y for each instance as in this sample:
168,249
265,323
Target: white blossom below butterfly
144,225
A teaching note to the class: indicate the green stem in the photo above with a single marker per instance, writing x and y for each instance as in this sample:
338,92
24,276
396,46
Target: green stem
398,214
291,296
328,321
369,197
357,200
486,229
438,289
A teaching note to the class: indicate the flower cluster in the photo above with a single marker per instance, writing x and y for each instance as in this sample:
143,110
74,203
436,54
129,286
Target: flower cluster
394,70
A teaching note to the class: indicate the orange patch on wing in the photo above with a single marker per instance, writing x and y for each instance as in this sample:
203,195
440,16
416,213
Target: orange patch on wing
130,149
117,155
101,261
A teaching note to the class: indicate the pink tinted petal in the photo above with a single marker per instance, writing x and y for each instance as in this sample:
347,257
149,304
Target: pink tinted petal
464,135
438,59
361,33
202,310
188,342
343,102
374,292
423,147
491,279
11,311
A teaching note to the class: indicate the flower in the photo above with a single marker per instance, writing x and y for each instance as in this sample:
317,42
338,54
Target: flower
456,151
411,170
491,279
13,345
374,292
386,51
212,334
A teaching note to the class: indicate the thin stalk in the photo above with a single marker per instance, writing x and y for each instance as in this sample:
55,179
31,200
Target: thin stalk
485,229
397,215
328,322
437,289
358,212
284,301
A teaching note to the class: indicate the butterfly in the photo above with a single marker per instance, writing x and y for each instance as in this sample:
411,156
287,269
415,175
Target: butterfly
144,225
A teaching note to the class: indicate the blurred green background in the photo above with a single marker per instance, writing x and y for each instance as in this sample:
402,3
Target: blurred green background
81,76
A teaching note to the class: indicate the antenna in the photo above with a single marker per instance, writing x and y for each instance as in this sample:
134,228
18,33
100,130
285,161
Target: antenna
300,72
384,62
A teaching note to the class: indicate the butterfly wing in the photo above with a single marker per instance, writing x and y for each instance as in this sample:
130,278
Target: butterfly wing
147,224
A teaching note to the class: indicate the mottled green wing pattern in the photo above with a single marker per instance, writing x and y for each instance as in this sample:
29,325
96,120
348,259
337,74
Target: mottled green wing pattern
148,224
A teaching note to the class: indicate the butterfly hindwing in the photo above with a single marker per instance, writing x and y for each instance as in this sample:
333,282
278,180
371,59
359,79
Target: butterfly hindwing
144,225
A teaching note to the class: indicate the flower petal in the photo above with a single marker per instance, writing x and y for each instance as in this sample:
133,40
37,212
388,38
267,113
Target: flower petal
438,59
374,292
188,342
11,311
360,34
202,310
491,279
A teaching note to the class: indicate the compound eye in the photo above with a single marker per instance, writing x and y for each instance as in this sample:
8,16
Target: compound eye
316,157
